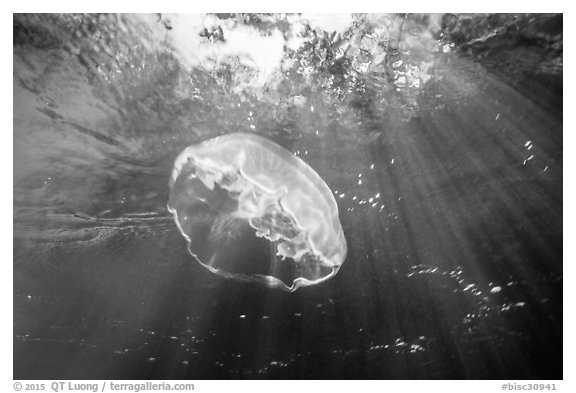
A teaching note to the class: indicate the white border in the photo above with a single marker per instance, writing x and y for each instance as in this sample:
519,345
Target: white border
299,6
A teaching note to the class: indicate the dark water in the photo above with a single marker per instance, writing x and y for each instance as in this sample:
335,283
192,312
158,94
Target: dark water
440,135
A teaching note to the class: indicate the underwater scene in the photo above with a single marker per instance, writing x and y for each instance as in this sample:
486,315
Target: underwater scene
287,196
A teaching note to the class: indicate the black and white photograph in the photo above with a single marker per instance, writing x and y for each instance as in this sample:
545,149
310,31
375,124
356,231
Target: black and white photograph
288,196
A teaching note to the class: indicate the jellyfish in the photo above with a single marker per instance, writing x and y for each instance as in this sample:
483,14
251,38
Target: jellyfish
252,211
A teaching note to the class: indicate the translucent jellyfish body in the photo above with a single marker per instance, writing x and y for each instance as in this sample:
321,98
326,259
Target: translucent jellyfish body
251,210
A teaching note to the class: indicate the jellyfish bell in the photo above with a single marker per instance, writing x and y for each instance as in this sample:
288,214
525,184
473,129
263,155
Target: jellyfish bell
250,210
